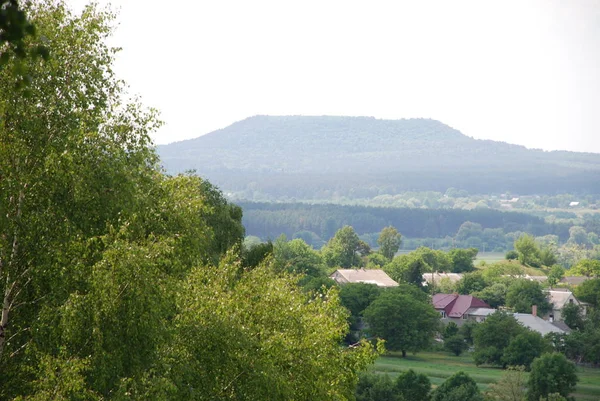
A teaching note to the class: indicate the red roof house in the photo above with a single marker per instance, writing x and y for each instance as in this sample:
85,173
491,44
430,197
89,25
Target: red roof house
456,306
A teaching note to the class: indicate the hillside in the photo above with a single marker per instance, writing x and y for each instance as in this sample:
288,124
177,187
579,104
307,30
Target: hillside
312,157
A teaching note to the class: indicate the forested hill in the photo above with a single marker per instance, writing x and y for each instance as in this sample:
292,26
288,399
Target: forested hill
303,157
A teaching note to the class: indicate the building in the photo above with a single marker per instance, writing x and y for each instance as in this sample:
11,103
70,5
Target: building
458,308
369,276
559,298
573,280
536,323
436,278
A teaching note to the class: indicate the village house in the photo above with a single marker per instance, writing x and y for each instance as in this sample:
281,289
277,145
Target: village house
559,298
536,323
368,276
459,308
436,278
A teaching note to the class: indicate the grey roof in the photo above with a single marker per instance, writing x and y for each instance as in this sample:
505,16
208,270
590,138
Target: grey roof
480,311
369,276
573,280
536,323
562,325
437,277
560,297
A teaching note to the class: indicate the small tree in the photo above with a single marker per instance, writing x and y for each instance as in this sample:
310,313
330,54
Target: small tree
463,259
524,348
375,387
491,337
389,242
589,291
458,387
450,330
456,344
523,294
413,386
511,387
528,250
573,316
406,320
471,283
551,373
586,267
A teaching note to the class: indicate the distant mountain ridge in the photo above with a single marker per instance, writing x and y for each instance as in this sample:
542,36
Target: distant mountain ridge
323,153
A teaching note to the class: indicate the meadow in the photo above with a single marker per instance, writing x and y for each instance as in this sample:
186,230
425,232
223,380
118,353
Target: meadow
438,366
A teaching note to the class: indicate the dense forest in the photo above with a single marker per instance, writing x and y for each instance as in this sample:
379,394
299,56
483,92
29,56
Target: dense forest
269,220
278,158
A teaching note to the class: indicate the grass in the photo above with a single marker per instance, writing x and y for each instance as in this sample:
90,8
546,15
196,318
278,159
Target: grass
439,366
489,257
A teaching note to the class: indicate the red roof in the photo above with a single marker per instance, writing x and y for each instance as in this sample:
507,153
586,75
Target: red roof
456,305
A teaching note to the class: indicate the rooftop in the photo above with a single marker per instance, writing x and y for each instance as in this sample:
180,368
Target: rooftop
456,305
538,324
369,276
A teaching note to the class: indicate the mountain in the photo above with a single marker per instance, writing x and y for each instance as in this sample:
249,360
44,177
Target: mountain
316,157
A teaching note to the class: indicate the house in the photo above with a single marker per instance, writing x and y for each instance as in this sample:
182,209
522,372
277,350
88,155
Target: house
573,280
559,298
479,314
536,323
573,204
436,278
369,276
456,308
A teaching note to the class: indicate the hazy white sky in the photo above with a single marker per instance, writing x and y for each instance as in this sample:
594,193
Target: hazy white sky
520,71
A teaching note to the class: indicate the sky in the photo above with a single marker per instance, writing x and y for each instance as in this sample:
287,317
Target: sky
520,71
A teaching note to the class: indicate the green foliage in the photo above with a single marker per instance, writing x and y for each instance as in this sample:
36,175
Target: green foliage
376,387
462,259
528,250
512,255
254,256
413,386
524,348
389,242
450,330
436,260
471,283
404,317
376,261
556,273
260,338
107,267
296,256
548,256
573,316
589,291
522,294
586,267
455,344
493,336
551,373
458,387
356,297
343,250
511,387
494,295
317,221
466,330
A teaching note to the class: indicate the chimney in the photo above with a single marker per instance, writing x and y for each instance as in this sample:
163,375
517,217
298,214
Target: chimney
534,310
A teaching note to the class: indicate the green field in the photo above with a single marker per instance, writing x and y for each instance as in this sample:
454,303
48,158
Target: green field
489,257
439,366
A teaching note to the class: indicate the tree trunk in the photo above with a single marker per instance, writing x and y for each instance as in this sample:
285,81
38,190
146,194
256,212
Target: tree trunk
403,353
4,318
